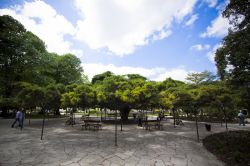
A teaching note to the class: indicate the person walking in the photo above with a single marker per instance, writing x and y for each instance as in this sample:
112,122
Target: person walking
241,117
21,119
139,117
16,118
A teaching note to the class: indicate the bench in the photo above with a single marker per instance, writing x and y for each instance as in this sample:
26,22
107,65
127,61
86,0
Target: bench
96,124
148,124
86,116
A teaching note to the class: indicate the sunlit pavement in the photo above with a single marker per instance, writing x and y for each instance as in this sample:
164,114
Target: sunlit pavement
66,145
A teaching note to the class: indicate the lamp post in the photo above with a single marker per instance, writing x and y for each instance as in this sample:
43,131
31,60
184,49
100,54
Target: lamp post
115,127
115,119
248,95
121,120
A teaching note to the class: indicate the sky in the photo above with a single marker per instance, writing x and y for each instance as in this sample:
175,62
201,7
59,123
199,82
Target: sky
154,38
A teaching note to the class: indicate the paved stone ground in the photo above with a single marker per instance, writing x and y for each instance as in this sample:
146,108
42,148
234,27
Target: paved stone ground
71,146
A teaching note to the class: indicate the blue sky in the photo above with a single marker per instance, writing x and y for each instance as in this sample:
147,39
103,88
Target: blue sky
157,39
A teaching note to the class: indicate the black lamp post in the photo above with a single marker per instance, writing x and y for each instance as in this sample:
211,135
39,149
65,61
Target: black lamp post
115,120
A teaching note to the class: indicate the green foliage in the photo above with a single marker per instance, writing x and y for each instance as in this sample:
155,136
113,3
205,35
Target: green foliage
26,94
101,77
135,76
167,100
53,97
65,69
86,95
235,11
198,78
31,77
169,83
21,55
69,100
111,86
85,79
31,96
236,45
232,147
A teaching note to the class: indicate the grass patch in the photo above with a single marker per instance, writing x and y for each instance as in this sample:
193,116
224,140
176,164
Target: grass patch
232,147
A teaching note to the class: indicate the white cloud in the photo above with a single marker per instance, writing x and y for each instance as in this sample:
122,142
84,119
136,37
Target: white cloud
161,35
192,20
177,74
200,47
211,3
121,26
77,52
93,69
157,73
43,20
218,28
211,54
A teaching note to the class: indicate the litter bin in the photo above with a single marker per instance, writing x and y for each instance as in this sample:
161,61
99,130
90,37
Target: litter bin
208,127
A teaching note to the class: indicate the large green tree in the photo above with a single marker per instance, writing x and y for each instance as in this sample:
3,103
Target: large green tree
100,77
65,69
200,77
235,51
233,58
54,93
21,56
86,95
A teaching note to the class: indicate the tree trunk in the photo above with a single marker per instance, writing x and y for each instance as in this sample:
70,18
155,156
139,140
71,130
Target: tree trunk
124,113
225,116
105,111
226,121
101,113
72,117
43,124
202,118
56,111
48,114
30,115
197,129
174,115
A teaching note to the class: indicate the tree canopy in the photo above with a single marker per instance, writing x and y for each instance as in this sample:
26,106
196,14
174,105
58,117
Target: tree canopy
32,77
24,58
234,55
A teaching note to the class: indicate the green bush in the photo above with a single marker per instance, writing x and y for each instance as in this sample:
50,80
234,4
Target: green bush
232,147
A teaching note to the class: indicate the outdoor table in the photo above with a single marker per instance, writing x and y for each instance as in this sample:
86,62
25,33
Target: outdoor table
152,123
96,124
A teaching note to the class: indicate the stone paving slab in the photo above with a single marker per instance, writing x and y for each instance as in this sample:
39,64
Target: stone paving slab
71,146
